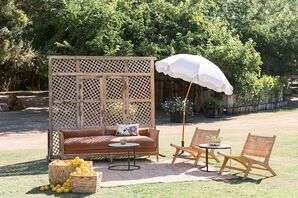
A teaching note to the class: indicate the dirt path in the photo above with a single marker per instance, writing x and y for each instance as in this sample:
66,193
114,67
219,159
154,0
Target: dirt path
9,142
27,129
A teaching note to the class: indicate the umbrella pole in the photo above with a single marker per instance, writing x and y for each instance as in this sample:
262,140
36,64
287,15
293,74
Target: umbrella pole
184,114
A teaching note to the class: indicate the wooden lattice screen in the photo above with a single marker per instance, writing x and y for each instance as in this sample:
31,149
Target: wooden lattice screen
89,92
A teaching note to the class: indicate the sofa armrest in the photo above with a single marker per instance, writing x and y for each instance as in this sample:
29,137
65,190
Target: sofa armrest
61,137
154,134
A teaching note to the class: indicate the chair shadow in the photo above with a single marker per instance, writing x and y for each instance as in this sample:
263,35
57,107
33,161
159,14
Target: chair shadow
26,168
238,179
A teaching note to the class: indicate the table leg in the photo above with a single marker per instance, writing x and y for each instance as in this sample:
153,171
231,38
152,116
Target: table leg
128,160
134,156
207,159
111,160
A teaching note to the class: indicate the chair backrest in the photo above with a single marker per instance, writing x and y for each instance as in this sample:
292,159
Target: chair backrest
258,146
202,136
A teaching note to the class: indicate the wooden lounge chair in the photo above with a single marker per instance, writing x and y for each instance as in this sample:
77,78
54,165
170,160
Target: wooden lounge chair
201,136
255,146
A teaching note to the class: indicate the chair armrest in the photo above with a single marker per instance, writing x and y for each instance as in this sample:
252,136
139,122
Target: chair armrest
230,156
176,146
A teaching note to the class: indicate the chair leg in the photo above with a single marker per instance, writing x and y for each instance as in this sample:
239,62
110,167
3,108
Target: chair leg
197,158
214,157
223,165
175,156
157,156
270,170
248,168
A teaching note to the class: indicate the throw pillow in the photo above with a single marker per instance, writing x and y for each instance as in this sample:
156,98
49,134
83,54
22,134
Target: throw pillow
122,130
127,130
133,129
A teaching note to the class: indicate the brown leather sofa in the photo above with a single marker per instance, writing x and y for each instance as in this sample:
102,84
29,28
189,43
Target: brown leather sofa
87,143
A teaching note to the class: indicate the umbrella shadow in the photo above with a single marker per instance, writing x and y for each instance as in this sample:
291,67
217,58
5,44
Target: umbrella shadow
36,167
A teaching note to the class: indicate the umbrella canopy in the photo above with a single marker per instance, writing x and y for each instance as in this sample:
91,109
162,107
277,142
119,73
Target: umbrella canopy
195,69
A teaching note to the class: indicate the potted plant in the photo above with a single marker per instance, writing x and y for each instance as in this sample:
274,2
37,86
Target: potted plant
174,107
213,108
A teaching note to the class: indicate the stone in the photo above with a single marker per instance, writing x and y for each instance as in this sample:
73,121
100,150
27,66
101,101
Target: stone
4,107
14,103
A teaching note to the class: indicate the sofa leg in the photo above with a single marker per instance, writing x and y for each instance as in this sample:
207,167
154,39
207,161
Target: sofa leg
157,156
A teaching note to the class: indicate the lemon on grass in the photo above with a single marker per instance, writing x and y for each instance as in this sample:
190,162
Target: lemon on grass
42,188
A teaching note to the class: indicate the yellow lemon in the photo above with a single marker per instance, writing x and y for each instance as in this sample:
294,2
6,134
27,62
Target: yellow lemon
54,189
46,187
66,190
58,186
59,190
52,185
41,188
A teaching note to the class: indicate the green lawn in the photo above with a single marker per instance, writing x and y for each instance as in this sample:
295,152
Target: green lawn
23,171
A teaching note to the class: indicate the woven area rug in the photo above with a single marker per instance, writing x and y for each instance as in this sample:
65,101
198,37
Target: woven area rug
156,172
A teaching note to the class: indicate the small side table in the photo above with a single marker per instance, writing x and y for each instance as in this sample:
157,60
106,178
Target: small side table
207,147
130,147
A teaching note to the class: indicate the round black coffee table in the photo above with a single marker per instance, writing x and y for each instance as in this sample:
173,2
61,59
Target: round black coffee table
207,147
130,147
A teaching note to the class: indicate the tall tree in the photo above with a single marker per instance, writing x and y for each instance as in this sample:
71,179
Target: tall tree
273,25
15,52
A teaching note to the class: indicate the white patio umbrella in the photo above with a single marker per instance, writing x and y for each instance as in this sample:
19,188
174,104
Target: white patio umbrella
194,69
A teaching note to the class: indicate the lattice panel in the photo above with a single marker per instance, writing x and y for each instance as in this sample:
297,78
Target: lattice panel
64,88
140,112
91,89
63,65
91,114
115,88
102,66
139,66
56,143
89,92
139,87
114,113
65,116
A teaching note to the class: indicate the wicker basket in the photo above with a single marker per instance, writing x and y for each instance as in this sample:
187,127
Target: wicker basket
86,184
58,174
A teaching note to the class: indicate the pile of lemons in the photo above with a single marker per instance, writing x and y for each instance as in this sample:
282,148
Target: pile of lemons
82,169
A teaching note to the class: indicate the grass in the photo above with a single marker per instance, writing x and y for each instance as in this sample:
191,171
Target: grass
23,171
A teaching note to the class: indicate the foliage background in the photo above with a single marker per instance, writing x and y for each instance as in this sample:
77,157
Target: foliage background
246,39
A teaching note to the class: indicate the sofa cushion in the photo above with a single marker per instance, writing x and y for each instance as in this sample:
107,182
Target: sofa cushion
102,142
143,131
144,141
111,131
69,133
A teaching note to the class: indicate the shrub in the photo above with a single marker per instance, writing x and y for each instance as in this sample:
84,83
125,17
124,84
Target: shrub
176,105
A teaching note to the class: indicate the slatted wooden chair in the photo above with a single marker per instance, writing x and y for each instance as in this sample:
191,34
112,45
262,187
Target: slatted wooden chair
201,136
254,147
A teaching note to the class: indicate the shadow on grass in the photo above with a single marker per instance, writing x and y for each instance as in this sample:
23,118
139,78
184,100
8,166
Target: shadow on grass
35,191
26,168
239,180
